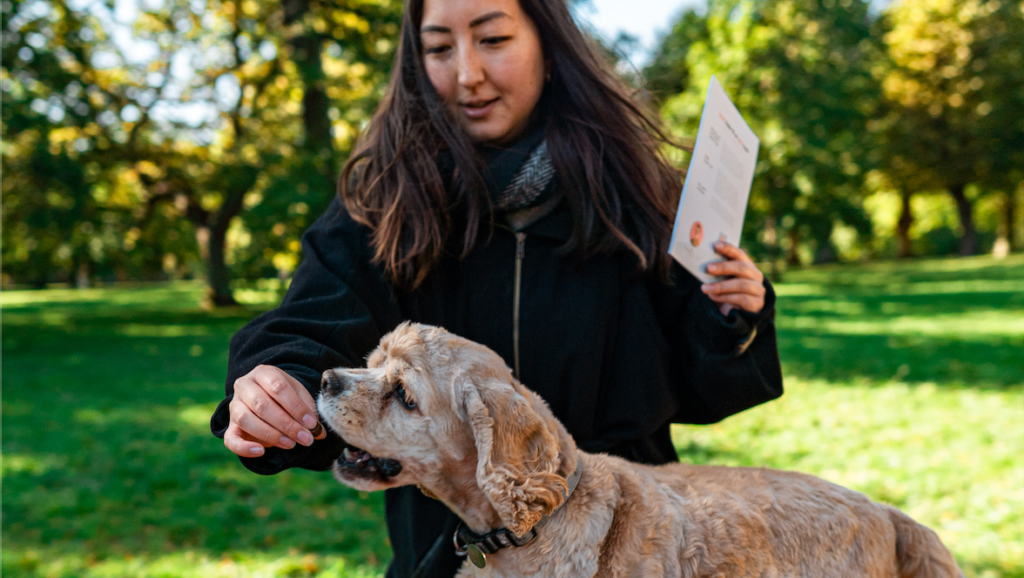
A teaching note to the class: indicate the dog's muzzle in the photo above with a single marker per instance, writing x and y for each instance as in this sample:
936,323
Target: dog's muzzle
331,383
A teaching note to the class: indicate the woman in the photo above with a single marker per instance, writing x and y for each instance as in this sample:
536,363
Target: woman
509,190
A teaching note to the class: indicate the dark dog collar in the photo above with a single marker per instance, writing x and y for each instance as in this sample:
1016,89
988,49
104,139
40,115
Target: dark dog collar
477,546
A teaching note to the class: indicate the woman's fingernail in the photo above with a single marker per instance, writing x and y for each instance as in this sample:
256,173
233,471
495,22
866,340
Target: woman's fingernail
256,450
705,287
305,438
286,442
309,421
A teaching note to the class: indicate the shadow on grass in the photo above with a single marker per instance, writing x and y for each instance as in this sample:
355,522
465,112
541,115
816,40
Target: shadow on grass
994,363
949,322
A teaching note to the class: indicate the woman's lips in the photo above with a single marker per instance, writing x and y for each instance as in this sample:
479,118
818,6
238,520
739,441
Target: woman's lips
479,109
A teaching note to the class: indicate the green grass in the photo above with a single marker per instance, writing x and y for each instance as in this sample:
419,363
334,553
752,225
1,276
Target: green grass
904,381
109,468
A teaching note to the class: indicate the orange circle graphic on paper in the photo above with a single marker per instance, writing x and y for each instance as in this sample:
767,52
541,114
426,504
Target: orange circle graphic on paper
696,233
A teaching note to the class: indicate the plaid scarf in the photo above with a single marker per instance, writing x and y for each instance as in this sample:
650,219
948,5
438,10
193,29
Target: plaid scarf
529,183
518,176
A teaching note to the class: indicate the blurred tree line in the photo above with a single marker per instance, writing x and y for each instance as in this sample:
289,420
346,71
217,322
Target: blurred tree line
886,133
156,139
178,138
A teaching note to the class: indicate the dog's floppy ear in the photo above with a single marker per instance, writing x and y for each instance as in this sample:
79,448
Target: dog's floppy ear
517,453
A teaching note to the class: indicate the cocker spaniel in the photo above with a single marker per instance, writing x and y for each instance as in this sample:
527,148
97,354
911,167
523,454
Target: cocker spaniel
446,414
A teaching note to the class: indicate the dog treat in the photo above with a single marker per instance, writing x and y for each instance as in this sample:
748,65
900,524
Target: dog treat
319,429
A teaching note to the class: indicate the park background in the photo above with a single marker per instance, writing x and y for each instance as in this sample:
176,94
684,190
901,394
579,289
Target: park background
161,158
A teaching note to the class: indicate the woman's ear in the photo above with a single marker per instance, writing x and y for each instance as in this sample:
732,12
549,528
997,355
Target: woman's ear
517,454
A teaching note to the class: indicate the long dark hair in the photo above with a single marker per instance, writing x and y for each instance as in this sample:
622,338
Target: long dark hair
605,148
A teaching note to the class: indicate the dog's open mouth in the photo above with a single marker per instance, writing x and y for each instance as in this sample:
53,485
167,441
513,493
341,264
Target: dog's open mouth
361,463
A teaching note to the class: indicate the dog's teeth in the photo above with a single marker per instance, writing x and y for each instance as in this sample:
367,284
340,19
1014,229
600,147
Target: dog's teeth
348,455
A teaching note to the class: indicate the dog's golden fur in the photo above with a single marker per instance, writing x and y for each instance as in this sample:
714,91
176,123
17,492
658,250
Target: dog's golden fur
493,452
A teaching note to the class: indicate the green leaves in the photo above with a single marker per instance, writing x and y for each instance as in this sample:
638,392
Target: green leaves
154,132
799,71
922,97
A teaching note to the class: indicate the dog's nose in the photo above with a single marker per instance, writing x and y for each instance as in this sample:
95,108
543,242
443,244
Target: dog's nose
331,383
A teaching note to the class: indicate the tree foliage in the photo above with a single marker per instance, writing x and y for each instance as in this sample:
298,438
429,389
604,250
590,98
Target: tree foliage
178,138
955,87
923,97
154,146
799,70
668,74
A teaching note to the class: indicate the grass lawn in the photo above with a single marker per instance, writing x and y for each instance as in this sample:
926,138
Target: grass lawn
904,381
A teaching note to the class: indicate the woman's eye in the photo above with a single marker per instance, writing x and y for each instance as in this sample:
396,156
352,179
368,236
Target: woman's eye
494,40
436,49
406,402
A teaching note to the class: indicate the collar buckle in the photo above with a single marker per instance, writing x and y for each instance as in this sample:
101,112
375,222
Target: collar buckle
477,546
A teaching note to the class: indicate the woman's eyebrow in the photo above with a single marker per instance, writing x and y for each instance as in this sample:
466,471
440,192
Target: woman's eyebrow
474,23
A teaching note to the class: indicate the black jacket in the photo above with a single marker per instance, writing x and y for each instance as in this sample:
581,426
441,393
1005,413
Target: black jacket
618,355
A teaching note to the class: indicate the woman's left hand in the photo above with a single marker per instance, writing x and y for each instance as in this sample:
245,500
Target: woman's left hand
745,290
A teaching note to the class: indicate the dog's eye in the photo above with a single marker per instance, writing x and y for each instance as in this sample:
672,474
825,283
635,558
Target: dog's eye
404,398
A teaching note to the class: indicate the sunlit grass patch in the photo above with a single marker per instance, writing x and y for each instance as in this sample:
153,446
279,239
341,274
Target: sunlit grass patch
55,563
965,274
978,325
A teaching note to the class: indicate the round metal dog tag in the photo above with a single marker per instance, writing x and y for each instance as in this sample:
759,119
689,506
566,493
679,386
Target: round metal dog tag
478,558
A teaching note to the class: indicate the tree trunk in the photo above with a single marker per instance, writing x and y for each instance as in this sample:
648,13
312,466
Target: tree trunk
315,103
219,291
1010,219
1004,232
903,227
825,252
793,253
771,239
82,277
306,47
211,243
969,237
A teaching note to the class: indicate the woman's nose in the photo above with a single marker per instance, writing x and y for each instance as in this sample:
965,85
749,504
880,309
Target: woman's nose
471,68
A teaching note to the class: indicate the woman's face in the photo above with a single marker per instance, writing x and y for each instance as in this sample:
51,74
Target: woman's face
485,61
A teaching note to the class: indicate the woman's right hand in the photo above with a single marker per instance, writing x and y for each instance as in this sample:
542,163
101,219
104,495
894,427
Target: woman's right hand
269,408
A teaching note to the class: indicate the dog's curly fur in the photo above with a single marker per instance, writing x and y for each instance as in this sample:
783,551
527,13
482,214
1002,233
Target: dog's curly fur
493,452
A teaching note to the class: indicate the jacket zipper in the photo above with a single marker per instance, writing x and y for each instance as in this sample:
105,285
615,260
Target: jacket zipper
516,293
